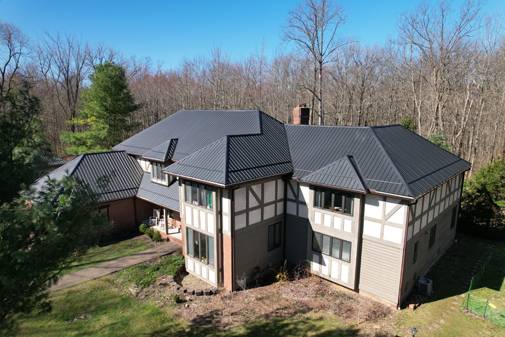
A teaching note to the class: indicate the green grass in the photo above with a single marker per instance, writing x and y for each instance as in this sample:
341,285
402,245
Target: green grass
98,308
443,316
143,275
109,252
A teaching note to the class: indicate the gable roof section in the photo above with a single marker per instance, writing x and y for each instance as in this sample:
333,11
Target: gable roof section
194,130
111,175
234,159
162,152
340,174
159,194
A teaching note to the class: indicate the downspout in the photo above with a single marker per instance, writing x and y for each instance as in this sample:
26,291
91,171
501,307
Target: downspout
402,269
359,242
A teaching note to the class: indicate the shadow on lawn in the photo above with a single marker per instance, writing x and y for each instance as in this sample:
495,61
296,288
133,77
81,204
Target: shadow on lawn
452,274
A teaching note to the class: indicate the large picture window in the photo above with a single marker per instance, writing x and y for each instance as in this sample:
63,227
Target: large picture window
200,246
333,200
327,245
198,194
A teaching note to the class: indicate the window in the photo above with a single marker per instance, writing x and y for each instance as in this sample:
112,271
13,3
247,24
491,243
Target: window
333,200
157,173
415,252
198,194
337,248
433,234
200,246
454,217
274,235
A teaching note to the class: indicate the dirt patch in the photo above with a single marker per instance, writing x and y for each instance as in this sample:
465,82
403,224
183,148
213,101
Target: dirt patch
283,300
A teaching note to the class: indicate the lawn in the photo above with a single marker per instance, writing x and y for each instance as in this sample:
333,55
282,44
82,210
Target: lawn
443,315
109,252
98,308
104,307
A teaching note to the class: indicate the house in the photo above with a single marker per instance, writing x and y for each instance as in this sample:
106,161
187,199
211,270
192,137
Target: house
369,208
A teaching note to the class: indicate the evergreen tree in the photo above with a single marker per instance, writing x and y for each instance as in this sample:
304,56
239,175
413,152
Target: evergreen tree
104,119
23,150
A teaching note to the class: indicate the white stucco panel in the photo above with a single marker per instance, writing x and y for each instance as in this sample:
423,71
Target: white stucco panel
372,229
203,219
393,234
196,218
269,191
337,223
254,216
348,225
327,220
252,200
269,212
334,269
226,223
304,193
373,206
280,189
211,226
391,203
325,265
317,218
398,217
344,273
188,213
239,197
212,276
240,221
280,208
226,205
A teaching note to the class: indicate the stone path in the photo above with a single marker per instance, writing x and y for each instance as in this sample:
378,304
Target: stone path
109,267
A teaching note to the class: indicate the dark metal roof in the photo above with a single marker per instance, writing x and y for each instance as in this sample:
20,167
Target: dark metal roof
234,159
111,175
383,155
166,196
339,174
230,147
194,129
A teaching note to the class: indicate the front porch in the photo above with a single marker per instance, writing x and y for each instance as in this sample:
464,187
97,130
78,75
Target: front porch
167,222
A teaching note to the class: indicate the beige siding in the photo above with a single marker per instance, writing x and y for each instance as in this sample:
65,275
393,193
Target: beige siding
380,270
384,227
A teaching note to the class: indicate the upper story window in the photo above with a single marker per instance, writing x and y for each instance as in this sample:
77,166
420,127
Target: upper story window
157,174
198,194
333,200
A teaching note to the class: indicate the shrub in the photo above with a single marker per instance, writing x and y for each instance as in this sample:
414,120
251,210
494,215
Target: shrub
441,140
143,228
156,236
282,274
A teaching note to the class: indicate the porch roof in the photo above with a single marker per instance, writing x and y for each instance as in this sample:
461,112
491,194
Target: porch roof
165,196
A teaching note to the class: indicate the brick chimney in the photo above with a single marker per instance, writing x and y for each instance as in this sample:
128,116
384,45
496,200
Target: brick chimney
301,115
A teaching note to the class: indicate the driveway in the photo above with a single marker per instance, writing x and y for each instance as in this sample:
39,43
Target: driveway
109,267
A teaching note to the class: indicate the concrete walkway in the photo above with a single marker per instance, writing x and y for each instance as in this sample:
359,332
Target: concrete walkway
110,267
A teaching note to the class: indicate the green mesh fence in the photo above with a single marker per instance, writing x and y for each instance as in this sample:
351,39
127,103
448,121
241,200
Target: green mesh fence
482,306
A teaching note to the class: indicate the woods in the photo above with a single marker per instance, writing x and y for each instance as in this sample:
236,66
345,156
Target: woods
444,71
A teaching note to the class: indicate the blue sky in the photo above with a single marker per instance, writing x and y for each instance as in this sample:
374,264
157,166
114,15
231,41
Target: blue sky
170,31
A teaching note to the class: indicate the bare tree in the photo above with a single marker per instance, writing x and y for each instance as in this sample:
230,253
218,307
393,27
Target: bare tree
313,28
13,46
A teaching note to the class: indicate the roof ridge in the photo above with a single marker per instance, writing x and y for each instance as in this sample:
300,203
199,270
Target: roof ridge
358,171
393,164
226,159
